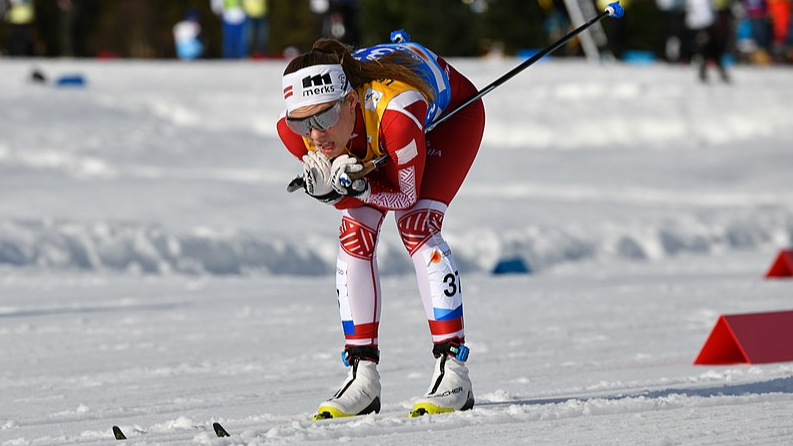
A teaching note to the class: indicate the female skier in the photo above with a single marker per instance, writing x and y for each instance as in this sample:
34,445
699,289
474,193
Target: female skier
344,109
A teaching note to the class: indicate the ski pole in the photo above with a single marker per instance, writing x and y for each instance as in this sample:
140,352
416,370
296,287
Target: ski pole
612,10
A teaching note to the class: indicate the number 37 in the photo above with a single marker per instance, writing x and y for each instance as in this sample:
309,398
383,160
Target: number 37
453,285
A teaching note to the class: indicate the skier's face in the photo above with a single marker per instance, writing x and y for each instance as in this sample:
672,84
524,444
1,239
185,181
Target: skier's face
329,125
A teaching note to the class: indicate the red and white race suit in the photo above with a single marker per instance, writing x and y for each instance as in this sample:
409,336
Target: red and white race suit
419,180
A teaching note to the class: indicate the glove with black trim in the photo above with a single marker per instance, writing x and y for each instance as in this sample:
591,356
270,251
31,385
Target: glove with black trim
316,179
356,188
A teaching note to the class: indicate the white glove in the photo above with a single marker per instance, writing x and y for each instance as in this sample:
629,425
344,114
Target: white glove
317,174
343,184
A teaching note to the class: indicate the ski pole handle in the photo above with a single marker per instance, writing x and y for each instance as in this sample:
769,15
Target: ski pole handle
368,167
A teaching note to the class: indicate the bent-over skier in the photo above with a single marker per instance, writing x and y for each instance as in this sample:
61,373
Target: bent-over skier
344,109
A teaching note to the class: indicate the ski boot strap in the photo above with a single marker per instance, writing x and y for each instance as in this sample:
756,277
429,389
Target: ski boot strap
369,353
451,348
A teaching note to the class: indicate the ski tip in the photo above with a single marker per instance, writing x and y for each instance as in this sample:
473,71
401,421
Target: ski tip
219,430
615,10
322,416
418,413
118,433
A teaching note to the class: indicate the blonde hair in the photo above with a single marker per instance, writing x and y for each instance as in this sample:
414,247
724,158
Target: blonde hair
397,66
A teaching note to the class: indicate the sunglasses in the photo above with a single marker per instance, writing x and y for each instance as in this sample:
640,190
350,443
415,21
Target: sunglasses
321,121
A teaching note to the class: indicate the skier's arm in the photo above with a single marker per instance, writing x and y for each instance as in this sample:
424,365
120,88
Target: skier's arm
293,142
402,137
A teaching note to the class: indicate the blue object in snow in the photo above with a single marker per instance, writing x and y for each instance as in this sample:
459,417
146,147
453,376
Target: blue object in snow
72,80
514,265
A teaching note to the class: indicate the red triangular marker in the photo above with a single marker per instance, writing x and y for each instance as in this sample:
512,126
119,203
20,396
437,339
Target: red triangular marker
783,265
757,338
721,347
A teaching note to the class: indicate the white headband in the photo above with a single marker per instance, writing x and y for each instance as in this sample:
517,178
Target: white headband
313,85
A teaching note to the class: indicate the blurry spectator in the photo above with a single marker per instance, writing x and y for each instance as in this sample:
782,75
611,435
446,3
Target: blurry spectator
66,22
789,42
757,12
676,42
339,19
779,12
76,24
709,36
20,15
348,11
187,37
725,27
258,26
233,16
556,23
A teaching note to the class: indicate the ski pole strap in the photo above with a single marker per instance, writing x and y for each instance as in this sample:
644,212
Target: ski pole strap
451,348
350,354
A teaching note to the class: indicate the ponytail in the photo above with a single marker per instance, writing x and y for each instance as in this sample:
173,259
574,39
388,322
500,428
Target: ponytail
397,66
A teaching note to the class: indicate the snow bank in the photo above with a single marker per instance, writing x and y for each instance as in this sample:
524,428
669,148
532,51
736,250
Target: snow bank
132,247
152,249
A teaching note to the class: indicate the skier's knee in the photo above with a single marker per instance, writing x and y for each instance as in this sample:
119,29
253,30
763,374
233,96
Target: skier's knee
356,239
416,228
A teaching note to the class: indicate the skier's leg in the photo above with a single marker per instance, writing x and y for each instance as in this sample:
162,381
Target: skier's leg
441,293
357,277
436,271
451,149
358,289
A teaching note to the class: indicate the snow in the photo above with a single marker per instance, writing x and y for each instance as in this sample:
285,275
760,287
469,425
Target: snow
155,274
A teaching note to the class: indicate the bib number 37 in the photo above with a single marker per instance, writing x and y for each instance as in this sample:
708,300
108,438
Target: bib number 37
453,285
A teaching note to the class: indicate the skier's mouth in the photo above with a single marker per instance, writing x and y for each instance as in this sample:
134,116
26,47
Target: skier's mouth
327,147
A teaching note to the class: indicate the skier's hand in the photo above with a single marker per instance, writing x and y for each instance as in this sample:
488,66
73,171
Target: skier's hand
316,174
343,184
316,179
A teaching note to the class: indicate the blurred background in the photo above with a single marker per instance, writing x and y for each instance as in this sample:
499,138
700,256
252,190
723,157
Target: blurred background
743,31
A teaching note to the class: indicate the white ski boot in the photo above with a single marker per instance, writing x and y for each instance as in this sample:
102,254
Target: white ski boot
360,392
451,388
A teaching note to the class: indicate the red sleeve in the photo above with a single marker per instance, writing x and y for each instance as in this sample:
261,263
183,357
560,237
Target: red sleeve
402,137
293,142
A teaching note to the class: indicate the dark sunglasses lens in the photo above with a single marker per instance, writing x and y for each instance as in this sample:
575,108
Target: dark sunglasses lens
299,127
321,121
327,118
